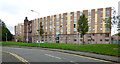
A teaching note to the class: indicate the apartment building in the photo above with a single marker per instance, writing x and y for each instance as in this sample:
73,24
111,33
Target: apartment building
27,31
19,32
62,28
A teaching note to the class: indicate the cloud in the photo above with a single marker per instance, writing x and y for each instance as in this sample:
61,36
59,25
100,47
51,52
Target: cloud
11,28
10,8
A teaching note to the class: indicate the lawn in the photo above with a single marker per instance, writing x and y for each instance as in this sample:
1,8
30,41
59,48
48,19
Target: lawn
110,49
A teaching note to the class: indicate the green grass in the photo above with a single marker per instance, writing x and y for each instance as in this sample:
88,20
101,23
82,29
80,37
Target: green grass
19,44
96,48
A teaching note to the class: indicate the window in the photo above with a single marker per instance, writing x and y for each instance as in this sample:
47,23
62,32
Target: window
89,30
69,39
75,40
106,35
57,29
107,18
101,11
95,22
100,28
46,19
61,36
69,25
43,20
93,28
66,25
89,19
61,31
46,33
57,24
107,12
50,23
46,28
75,36
101,23
46,23
66,20
89,24
101,34
70,14
54,17
93,34
89,35
42,23
66,30
57,19
75,25
75,20
80,14
66,15
93,17
100,39
62,17
50,27
75,30
101,17
50,18
75,15
95,12
30,24
57,33
61,22
89,13
69,30
61,26
70,19
42,36
106,29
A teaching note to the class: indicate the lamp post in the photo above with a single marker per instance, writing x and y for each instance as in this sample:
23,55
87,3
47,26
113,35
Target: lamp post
39,26
78,38
66,35
27,32
6,37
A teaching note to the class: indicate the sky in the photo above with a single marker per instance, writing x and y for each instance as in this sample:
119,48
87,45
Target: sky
13,12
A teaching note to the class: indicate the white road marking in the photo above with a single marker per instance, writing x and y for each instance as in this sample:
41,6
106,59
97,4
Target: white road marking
53,56
71,61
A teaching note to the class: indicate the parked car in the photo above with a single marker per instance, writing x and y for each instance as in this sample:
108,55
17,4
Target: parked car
40,41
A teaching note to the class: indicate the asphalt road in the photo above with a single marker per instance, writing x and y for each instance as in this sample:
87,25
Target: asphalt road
30,56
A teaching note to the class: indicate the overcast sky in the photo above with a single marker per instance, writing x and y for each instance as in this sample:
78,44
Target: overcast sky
13,12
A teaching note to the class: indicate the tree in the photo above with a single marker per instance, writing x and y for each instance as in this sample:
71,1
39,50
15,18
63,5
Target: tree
19,39
118,26
41,29
108,23
82,26
4,31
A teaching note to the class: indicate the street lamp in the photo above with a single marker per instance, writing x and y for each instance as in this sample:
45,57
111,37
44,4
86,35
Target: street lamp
6,37
27,32
39,26
66,35
79,37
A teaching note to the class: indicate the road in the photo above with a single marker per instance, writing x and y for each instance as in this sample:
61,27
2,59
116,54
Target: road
11,54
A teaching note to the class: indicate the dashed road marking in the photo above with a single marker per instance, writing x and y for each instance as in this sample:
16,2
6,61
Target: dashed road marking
83,56
52,56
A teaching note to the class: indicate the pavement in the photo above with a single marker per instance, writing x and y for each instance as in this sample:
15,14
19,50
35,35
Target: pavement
58,55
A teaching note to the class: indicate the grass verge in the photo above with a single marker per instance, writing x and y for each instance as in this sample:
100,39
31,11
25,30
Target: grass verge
110,49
